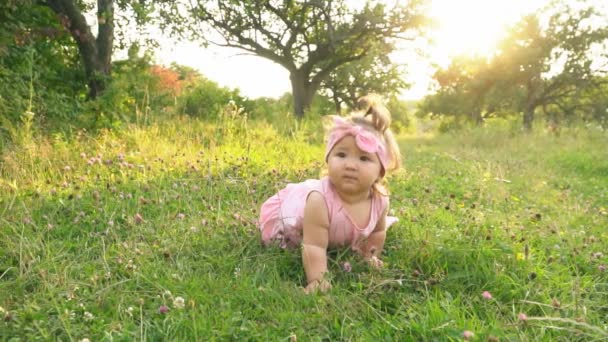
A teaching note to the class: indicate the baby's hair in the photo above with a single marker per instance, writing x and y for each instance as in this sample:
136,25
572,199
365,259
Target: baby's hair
371,105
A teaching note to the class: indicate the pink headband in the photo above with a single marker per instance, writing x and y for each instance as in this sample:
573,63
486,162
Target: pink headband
365,140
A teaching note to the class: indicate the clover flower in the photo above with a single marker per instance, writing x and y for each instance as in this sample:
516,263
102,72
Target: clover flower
179,303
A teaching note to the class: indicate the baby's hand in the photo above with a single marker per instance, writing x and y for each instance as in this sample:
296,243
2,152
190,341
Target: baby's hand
375,262
317,285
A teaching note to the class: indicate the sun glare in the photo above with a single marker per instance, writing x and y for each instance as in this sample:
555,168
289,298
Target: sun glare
473,26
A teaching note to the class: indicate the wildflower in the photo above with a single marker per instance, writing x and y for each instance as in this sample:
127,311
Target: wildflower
467,335
193,229
130,266
597,255
181,216
486,295
602,268
522,317
88,316
67,168
85,340
163,309
138,218
179,303
520,256
347,267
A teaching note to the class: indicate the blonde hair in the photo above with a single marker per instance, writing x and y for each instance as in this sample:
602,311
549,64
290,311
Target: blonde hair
371,114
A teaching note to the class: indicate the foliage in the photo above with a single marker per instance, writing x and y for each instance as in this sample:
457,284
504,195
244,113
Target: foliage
270,109
464,88
38,72
92,40
374,73
531,55
539,67
310,39
205,99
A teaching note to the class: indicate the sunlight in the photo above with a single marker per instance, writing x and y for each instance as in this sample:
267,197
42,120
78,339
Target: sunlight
473,26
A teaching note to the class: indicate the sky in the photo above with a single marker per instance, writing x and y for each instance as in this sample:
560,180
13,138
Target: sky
463,26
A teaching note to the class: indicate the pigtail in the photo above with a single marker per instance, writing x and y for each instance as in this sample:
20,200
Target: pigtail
372,105
380,116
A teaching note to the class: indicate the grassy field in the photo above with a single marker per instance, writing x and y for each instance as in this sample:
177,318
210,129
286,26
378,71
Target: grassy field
149,233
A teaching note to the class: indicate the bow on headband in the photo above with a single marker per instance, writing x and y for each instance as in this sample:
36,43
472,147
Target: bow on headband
365,140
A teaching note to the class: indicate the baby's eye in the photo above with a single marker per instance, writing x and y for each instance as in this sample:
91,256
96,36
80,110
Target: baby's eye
341,154
364,158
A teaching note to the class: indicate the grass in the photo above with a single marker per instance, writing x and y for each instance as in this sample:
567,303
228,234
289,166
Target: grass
101,234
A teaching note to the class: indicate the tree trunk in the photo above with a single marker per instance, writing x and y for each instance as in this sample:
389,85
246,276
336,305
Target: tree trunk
337,102
477,118
96,53
533,96
528,118
303,92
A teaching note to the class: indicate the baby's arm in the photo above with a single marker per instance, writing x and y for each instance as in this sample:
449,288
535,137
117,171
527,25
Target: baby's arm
315,241
375,242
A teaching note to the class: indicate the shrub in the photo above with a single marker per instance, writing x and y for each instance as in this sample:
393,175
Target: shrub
205,99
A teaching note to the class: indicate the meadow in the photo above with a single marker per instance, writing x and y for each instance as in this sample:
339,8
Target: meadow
148,232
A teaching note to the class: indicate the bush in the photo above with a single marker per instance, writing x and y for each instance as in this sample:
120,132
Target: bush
33,80
205,99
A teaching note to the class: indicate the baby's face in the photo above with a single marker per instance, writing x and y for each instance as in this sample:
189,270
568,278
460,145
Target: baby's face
352,170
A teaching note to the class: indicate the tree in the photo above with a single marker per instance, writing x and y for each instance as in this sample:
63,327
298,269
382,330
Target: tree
464,88
39,65
541,65
96,49
96,52
309,38
544,65
374,73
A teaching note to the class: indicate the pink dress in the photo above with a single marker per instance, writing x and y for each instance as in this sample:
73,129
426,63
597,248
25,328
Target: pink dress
281,215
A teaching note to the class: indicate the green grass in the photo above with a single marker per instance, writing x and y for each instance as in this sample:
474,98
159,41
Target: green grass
521,216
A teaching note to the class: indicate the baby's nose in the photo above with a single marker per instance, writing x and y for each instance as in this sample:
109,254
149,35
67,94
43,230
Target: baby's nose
351,164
